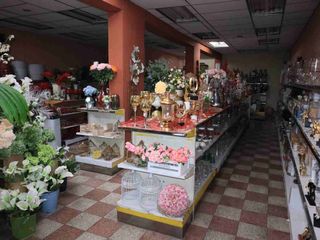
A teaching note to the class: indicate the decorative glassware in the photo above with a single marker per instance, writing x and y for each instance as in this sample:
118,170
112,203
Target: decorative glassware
149,191
180,112
193,86
145,105
167,106
130,183
135,102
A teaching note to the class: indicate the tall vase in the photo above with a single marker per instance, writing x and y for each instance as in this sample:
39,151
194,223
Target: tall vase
100,97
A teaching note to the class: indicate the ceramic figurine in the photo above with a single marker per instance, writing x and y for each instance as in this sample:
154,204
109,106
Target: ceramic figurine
302,155
305,117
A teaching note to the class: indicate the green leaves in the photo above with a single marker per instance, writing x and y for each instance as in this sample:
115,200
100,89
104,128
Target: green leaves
13,105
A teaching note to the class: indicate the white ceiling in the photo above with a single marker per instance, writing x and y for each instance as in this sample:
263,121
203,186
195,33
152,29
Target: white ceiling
230,20
46,12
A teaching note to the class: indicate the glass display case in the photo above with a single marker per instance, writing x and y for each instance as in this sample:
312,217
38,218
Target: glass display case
209,142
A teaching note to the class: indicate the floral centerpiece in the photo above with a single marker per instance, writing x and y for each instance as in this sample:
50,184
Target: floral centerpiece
173,200
22,208
136,66
176,81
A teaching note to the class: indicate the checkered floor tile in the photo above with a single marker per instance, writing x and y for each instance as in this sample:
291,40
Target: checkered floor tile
245,201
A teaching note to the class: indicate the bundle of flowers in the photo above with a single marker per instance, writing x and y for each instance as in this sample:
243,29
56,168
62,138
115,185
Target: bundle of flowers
216,73
173,200
176,79
160,153
102,72
90,91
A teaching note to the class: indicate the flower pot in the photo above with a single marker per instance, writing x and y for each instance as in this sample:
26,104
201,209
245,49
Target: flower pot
56,89
23,227
63,186
51,202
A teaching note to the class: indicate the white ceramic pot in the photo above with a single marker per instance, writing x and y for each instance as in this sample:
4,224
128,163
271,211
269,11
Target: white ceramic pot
35,71
56,89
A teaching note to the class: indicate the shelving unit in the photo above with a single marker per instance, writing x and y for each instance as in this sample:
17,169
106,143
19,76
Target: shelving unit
104,118
132,213
300,211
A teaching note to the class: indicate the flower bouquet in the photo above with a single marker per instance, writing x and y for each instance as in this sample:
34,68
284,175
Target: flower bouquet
102,72
14,176
22,208
5,57
176,80
173,201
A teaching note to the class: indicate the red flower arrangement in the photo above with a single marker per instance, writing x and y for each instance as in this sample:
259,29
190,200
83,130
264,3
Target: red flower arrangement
58,78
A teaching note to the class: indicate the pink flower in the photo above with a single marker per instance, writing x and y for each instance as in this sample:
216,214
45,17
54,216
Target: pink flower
94,66
101,66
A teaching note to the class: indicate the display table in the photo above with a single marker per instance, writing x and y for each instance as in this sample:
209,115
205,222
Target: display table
203,165
103,135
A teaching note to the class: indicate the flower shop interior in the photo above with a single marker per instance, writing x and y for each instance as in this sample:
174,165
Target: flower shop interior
148,119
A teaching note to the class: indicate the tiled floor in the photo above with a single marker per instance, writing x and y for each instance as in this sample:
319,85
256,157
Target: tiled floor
245,201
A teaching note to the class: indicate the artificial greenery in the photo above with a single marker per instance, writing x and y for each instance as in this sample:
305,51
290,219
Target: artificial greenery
33,135
71,164
156,71
45,155
13,105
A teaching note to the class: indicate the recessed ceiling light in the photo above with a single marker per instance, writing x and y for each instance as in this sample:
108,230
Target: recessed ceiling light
219,44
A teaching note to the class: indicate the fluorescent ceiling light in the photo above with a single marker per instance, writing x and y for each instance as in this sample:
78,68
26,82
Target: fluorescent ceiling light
219,44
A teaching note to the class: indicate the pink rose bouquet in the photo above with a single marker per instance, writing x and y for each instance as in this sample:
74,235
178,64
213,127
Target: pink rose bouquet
102,72
173,200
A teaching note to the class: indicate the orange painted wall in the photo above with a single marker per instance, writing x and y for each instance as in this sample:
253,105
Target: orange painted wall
173,60
52,51
308,43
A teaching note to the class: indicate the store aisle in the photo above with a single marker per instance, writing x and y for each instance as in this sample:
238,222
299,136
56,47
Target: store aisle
245,201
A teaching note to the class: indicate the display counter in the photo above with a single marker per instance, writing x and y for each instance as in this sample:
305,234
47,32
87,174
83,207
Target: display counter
209,141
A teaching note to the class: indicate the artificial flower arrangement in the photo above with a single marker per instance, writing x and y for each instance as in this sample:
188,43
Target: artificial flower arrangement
6,134
159,153
173,200
5,57
58,77
216,73
176,79
136,66
102,72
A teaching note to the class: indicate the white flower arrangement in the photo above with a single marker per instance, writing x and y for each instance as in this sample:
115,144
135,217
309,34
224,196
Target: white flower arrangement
176,79
5,57
216,73
136,66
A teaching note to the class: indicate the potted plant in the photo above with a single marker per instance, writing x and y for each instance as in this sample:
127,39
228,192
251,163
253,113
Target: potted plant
21,208
70,163
14,176
53,180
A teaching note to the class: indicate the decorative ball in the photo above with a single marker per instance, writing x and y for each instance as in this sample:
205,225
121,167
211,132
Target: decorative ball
173,200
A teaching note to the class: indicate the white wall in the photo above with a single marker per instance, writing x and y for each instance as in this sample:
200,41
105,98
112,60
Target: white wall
272,61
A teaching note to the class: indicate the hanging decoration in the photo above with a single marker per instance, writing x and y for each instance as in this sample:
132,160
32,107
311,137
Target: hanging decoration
136,66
